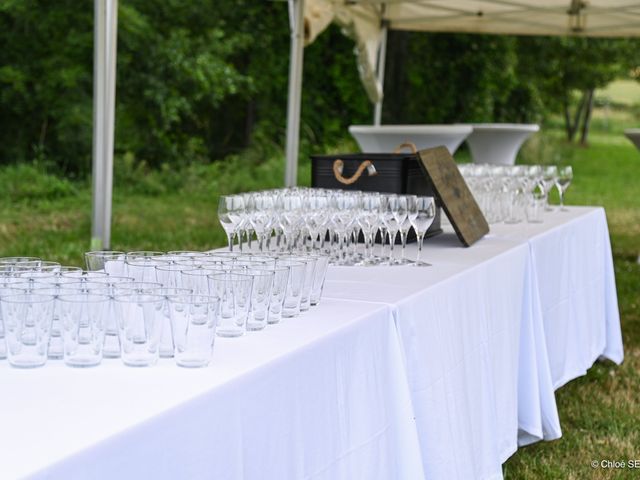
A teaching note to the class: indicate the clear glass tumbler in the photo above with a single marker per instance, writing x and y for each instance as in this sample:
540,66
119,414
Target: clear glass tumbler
234,292
166,341
278,291
293,295
322,264
260,298
193,322
83,319
139,318
27,321
111,262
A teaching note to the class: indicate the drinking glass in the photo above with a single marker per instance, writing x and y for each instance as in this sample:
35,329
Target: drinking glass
109,285
322,264
143,269
307,284
83,320
260,298
549,177
166,340
234,292
170,275
425,213
393,212
368,217
230,213
261,215
278,290
193,322
405,225
565,175
139,319
6,289
110,261
293,294
197,279
27,319
56,341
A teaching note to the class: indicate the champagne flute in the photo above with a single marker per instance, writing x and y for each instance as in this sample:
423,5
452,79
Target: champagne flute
426,212
565,175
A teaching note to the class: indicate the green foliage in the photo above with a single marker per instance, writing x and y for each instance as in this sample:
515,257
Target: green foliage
198,82
31,182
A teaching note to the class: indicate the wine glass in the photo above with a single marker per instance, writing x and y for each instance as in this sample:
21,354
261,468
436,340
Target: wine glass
549,176
390,214
230,213
565,175
426,212
406,213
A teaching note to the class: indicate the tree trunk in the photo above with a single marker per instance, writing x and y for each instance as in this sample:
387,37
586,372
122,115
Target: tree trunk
567,119
573,127
586,123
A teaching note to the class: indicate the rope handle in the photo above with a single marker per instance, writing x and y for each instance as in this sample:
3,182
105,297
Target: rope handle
409,145
338,167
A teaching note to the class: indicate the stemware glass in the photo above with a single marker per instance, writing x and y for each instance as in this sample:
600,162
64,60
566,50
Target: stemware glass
393,211
565,175
549,176
426,212
230,214
405,224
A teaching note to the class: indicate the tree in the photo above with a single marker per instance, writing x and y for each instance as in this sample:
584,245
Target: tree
561,66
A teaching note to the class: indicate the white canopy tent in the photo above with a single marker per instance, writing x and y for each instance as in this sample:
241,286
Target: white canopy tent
366,22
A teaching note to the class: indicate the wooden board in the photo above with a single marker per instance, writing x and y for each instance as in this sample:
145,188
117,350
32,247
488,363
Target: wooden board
454,195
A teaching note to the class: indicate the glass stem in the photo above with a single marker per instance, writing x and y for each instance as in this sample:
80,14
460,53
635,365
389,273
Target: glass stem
403,238
420,238
230,238
392,241
561,192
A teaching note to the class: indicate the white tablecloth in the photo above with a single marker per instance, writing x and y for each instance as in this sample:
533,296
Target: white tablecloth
320,397
490,331
401,372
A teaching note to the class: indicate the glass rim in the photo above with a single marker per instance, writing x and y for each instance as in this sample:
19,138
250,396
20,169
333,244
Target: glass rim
181,298
144,253
192,270
104,252
111,279
147,297
83,297
149,260
274,268
223,275
134,285
186,291
83,274
169,266
17,260
27,297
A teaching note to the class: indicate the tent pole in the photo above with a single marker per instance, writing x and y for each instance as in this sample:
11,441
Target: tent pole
296,13
104,66
382,60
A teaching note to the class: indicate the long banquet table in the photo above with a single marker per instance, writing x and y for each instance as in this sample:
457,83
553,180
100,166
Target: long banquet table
400,373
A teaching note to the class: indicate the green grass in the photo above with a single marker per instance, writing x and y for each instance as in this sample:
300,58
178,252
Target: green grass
599,413
621,92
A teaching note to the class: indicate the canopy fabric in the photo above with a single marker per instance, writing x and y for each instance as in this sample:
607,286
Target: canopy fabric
363,20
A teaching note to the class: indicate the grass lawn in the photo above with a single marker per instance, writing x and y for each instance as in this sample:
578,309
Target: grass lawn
599,413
